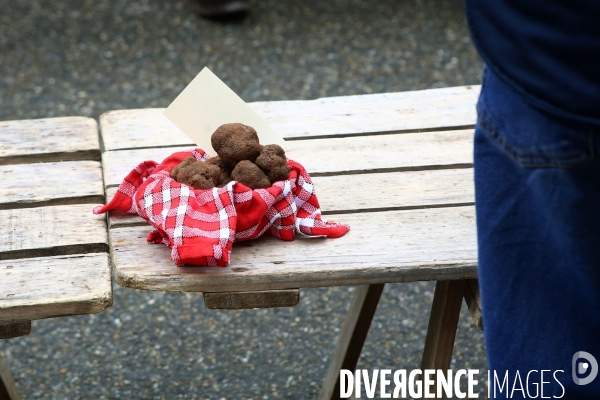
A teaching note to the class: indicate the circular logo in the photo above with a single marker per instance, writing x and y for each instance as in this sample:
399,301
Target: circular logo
582,367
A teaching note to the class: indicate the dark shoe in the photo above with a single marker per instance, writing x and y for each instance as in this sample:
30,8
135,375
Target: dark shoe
220,8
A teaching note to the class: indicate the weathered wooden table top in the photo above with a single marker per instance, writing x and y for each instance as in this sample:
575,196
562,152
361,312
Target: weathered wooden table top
397,167
53,250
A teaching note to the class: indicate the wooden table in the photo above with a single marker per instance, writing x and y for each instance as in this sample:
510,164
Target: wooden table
53,251
397,167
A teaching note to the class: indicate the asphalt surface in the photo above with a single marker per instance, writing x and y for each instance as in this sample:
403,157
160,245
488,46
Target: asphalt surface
60,58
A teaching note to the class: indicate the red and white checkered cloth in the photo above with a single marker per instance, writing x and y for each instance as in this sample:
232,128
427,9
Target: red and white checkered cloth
200,226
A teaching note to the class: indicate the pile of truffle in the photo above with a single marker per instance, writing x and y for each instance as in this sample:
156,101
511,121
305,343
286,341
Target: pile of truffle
240,158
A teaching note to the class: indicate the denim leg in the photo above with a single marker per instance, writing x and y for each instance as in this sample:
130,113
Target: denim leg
537,189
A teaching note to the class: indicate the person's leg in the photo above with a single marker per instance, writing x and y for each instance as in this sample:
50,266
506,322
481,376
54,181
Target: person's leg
537,188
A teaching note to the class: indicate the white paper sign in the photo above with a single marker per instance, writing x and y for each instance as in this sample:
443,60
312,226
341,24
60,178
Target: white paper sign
207,103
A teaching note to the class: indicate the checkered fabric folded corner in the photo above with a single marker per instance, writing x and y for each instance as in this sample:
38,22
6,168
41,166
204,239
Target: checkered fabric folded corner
200,226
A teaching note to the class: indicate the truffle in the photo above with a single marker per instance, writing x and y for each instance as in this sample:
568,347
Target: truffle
251,175
197,174
225,176
236,142
186,161
272,161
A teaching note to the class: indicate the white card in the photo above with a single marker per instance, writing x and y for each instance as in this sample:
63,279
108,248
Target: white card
207,103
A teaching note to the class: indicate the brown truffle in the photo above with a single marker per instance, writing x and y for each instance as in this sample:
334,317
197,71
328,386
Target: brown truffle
186,161
224,179
272,161
250,174
236,142
197,174
225,176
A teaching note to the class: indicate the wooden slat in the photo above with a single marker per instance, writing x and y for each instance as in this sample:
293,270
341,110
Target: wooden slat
54,286
16,328
55,230
43,184
385,191
117,164
138,128
49,139
410,151
250,300
352,338
473,300
393,246
348,115
385,112
373,192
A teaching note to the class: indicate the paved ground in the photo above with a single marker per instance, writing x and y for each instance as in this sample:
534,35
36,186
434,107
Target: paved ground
60,57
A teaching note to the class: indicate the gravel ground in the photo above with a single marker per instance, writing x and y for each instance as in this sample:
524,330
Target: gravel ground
81,57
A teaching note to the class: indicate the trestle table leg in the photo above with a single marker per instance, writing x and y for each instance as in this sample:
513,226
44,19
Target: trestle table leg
352,337
443,323
8,390
473,299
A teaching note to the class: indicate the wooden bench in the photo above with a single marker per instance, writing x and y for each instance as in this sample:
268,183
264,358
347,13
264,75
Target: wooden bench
53,252
408,157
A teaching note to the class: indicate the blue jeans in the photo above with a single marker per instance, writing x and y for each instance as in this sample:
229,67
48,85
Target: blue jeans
537,192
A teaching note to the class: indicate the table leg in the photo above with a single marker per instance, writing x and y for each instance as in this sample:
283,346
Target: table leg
352,337
473,299
443,323
8,390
